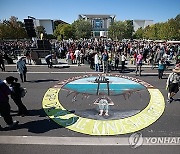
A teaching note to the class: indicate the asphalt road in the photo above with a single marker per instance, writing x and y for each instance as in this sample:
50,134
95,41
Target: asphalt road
39,125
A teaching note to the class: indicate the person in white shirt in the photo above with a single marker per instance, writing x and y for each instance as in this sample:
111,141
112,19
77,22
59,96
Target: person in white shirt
96,62
77,54
123,60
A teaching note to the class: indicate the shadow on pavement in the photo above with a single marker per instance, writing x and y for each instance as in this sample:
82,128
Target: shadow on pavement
44,125
38,81
39,113
60,67
177,100
38,126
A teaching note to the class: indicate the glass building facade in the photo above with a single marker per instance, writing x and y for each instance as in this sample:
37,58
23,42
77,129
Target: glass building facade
100,23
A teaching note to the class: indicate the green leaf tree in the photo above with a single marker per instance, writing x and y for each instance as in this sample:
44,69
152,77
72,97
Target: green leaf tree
39,30
64,31
117,30
139,33
129,29
82,29
12,29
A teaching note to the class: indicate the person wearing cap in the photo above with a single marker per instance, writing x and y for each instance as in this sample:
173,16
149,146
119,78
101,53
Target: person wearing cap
21,68
173,83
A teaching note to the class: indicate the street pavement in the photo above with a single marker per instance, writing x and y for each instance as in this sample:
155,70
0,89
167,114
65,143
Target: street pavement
37,133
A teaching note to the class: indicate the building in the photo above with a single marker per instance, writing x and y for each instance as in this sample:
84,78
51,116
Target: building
100,23
141,23
46,23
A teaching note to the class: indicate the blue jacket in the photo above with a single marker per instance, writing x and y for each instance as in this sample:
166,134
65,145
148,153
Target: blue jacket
161,66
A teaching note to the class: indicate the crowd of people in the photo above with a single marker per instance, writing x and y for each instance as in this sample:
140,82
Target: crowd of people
79,51
101,54
106,55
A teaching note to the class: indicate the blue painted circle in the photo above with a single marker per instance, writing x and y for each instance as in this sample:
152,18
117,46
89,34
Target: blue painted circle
116,86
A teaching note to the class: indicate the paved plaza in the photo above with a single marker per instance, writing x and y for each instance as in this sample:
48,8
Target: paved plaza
57,122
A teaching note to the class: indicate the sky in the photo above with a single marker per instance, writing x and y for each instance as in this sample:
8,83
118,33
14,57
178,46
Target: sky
68,10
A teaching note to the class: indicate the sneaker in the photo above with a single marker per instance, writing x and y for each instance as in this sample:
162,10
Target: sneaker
15,123
100,114
170,100
106,114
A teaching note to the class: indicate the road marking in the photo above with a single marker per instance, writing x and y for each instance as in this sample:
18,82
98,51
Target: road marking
45,65
82,72
53,72
43,140
93,141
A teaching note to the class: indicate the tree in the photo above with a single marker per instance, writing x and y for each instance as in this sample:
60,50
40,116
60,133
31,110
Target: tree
64,31
39,30
12,29
57,22
173,29
67,31
117,30
169,30
177,19
138,34
129,29
82,29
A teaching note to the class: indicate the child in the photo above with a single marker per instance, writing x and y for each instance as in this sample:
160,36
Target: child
103,104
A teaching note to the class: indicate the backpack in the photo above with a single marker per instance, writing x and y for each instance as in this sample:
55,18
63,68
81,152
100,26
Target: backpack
23,91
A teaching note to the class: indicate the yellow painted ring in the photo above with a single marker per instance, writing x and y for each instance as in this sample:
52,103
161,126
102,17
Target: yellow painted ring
141,120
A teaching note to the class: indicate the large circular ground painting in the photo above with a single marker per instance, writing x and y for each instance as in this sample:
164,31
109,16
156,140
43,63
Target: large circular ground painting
127,104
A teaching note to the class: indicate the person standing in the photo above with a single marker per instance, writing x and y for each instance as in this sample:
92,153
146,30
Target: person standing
4,105
27,53
2,66
96,62
139,63
173,83
116,65
22,69
161,68
105,58
16,95
77,56
123,61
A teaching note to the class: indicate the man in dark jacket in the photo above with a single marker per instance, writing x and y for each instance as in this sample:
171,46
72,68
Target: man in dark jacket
4,105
